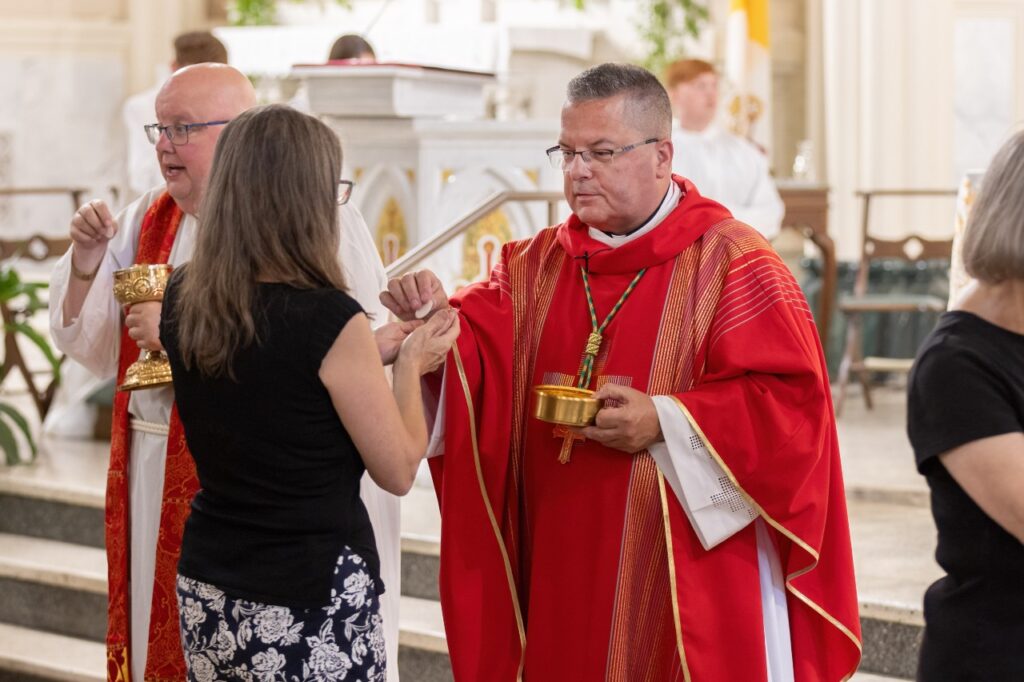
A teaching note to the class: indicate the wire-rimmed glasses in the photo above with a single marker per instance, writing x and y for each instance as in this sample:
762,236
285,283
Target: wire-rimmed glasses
345,191
561,158
176,134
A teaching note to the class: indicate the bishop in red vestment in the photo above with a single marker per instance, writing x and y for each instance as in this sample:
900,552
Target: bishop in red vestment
589,555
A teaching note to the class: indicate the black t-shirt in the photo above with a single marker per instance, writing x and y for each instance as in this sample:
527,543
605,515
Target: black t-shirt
968,384
279,475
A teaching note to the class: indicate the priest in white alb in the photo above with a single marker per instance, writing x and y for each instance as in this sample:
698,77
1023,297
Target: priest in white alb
726,167
151,477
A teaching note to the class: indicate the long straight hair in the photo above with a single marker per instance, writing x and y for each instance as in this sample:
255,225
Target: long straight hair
269,214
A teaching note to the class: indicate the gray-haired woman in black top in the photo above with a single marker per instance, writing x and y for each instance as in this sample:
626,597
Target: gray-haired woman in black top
966,423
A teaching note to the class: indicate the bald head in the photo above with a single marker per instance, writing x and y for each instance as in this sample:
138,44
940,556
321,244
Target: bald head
202,97
216,88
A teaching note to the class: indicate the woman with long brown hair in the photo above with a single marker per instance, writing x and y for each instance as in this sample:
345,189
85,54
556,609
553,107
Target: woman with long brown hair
284,402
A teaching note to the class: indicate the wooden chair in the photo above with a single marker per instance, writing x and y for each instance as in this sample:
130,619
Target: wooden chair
36,248
910,249
41,390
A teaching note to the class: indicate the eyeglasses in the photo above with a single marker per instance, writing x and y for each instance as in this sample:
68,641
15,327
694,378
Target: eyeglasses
561,158
177,134
345,191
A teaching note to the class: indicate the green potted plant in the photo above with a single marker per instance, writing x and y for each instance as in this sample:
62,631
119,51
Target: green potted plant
667,25
19,301
263,12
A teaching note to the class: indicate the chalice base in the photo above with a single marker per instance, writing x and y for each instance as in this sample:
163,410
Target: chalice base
149,371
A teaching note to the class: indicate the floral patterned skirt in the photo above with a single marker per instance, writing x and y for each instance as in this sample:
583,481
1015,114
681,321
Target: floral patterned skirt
234,639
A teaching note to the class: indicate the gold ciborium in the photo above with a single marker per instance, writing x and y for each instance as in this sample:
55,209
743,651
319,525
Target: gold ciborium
565,405
139,284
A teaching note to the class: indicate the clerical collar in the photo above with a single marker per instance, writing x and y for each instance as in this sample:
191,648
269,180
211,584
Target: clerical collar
668,204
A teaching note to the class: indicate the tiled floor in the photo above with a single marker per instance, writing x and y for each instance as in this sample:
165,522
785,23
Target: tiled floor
877,458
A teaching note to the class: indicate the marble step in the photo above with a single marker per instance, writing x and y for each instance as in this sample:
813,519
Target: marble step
32,656
894,546
41,517
422,647
37,571
29,655
421,561
42,576
892,533
53,586
60,496
56,591
894,559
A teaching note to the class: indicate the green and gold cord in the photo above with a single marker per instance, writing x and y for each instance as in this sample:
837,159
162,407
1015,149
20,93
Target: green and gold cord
595,338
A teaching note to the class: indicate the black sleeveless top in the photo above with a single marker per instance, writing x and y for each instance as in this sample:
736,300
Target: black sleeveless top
279,475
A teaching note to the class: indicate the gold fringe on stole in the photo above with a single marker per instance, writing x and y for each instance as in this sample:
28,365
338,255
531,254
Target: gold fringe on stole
687,315
646,567
513,592
672,577
780,528
533,269
722,237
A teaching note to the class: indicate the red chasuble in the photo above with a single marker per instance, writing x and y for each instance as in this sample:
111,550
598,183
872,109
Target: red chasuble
164,662
590,570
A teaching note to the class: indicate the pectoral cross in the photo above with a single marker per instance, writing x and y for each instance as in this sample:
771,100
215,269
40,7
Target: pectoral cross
569,438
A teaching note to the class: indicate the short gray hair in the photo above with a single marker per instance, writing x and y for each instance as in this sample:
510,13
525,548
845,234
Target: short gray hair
993,249
646,100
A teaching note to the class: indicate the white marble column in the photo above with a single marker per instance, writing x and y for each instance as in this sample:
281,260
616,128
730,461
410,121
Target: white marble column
988,40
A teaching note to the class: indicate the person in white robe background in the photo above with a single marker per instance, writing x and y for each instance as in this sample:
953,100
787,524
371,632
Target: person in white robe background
85,322
724,166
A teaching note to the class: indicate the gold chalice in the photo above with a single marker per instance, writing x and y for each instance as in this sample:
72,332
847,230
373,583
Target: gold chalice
139,284
565,405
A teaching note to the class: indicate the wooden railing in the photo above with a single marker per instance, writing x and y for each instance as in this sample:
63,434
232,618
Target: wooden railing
74,193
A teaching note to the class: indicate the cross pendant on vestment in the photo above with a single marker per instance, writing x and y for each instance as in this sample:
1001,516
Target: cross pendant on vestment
569,439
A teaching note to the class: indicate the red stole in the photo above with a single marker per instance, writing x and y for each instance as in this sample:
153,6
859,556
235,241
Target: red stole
590,570
164,662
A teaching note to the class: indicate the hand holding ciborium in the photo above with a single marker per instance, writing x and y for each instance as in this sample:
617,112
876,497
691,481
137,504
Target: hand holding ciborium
139,284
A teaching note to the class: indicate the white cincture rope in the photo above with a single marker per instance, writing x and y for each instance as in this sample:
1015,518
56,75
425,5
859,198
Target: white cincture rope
149,427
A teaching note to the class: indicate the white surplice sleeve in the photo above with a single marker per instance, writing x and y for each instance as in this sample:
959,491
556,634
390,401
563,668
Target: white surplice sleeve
762,207
715,507
93,338
364,271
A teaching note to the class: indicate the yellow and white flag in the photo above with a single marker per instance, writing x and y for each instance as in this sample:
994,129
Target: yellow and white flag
748,68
